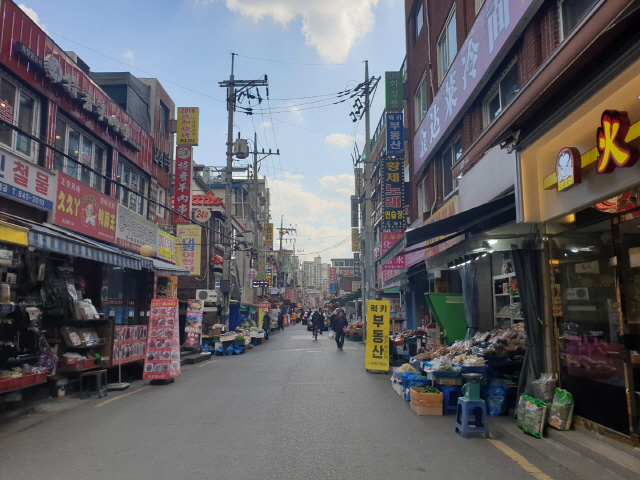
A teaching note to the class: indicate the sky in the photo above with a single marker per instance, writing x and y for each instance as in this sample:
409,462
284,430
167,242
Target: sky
309,49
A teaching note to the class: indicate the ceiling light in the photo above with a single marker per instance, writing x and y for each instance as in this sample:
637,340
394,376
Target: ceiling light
492,241
574,250
484,254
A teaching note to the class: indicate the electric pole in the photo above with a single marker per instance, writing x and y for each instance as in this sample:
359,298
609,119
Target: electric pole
369,279
283,231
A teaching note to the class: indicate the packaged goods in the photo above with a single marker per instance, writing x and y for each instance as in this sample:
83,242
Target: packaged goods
522,403
535,411
561,413
544,387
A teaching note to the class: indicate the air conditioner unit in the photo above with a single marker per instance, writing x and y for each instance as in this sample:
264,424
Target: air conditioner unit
207,296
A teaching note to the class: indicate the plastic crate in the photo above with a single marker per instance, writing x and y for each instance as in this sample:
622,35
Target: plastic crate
74,367
4,384
28,379
14,382
41,377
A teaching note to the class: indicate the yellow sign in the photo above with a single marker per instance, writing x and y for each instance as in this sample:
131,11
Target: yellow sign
355,240
377,355
188,251
188,124
268,236
166,246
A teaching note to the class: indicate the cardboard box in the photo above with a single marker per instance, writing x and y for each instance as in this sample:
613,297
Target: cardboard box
426,399
424,411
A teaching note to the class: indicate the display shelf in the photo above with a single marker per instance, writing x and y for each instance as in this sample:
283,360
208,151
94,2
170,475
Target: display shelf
503,300
22,387
60,370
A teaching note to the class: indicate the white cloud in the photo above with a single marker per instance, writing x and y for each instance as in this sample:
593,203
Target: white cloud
128,56
332,27
341,140
31,13
265,125
293,176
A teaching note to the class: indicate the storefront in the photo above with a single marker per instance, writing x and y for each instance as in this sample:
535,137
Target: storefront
583,187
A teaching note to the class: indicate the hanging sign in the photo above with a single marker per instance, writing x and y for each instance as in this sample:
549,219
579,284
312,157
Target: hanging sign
393,194
268,236
395,134
166,246
26,182
393,90
193,326
182,194
355,239
188,248
188,125
377,353
163,342
202,215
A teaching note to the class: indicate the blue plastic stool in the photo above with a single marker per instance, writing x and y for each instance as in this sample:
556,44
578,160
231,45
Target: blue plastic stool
447,390
464,425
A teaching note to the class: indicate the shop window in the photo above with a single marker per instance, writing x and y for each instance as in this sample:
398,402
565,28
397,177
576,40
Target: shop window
571,12
420,101
164,119
88,158
447,45
450,157
135,196
18,107
418,22
502,94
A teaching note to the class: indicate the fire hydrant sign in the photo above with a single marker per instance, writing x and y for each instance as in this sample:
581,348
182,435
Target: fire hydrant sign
377,354
163,341
193,327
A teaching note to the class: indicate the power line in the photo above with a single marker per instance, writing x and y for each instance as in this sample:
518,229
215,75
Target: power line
296,63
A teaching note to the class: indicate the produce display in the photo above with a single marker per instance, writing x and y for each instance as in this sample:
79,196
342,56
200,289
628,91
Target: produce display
433,390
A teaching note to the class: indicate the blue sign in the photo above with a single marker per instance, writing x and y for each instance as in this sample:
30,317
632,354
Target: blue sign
395,134
333,288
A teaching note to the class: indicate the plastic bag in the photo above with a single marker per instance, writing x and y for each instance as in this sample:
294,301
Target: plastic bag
332,335
522,403
535,411
561,413
544,387
497,397
414,382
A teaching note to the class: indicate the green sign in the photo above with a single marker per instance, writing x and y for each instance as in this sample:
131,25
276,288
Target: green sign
393,91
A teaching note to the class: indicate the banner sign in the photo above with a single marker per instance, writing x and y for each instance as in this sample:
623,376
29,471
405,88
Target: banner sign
182,193
268,236
188,125
188,248
493,28
288,294
84,210
333,288
355,223
134,231
163,344
263,308
377,353
355,239
193,327
166,246
395,134
357,267
332,274
262,264
129,343
392,173
393,90
388,240
26,182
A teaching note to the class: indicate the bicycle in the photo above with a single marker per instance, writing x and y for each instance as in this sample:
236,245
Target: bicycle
315,333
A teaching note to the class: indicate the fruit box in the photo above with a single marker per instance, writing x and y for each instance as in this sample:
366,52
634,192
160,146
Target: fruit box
423,411
426,399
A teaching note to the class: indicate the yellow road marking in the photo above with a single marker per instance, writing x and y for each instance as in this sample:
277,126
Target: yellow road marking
520,460
206,363
106,402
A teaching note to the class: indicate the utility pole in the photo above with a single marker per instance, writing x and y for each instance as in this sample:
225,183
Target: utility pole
368,280
283,231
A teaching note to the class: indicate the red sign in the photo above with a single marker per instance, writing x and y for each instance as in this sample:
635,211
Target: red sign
388,240
346,272
163,343
288,294
614,151
182,196
193,327
568,168
129,343
332,274
84,210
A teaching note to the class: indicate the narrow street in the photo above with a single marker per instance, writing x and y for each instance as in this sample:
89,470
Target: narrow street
289,409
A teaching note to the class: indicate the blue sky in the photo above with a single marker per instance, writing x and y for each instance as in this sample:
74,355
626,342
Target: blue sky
307,48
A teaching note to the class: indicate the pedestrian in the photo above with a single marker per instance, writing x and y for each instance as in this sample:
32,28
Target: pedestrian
280,321
317,320
340,327
294,317
266,325
332,319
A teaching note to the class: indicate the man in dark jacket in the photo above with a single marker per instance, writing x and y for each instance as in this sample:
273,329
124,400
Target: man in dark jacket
317,320
332,319
266,325
280,321
340,327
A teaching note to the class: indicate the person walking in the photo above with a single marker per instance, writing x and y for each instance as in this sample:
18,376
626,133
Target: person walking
332,319
340,327
317,320
266,325
280,321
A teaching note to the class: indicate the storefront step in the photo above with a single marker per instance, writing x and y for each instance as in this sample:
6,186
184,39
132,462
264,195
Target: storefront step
194,358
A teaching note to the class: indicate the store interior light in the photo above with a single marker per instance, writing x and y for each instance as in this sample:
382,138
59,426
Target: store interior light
451,264
492,241
574,250
484,254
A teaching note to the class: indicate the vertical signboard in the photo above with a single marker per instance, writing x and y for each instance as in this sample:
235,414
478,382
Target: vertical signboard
393,194
262,264
355,240
163,342
377,353
395,134
357,266
188,248
193,326
166,246
268,236
354,212
188,125
182,194
388,240
332,274
263,308
393,90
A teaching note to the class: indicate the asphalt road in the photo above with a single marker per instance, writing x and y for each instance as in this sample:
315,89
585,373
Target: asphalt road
292,408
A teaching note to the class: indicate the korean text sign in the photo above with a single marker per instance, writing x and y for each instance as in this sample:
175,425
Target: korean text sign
166,246
134,231
389,239
193,327
355,239
188,125
268,236
182,195
163,341
26,182
395,134
82,209
188,248
392,172
129,343
393,90
377,354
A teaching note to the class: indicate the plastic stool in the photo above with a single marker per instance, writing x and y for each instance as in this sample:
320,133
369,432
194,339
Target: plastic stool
464,425
447,390
101,387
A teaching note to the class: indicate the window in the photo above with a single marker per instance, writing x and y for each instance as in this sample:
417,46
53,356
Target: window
18,107
447,45
90,154
418,22
161,199
502,94
134,197
572,11
423,196
164,119
478,5
449,158
420,101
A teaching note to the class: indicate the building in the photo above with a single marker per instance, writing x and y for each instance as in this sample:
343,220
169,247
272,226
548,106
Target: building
316,273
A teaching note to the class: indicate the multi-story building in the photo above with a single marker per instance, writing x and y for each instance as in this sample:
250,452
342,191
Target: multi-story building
316,273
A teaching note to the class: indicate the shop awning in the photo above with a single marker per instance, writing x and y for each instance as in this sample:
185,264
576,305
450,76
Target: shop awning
166,268
476,220
45,239
11,233
350,297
